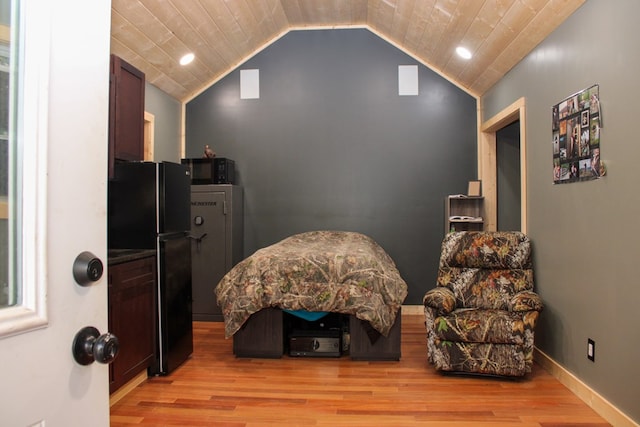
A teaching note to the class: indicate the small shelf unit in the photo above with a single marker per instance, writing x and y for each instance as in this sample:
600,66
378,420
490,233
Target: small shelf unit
464,213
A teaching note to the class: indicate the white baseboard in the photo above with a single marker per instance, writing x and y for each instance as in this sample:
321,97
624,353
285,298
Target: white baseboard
602,406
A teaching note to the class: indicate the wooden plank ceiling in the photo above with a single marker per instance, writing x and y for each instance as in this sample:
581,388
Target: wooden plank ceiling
153,34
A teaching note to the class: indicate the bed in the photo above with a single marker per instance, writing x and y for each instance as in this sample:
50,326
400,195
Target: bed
318,271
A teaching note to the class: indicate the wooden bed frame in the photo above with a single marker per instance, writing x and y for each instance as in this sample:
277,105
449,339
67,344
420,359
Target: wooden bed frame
263,336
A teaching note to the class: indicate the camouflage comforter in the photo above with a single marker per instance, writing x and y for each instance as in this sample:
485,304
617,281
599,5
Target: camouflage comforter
344,272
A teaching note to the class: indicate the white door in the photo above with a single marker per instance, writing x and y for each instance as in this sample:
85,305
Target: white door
64,138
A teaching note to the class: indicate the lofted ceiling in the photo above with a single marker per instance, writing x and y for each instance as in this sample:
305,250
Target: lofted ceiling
154,34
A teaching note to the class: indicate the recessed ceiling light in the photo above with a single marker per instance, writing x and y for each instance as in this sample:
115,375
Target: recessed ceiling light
187,59
463,52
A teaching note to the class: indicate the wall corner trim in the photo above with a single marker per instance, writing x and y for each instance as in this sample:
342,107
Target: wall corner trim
595,401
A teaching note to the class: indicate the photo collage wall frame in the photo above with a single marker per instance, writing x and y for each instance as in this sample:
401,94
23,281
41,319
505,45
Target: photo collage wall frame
576,124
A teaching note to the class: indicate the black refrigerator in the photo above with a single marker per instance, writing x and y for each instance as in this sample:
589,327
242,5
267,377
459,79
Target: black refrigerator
149,208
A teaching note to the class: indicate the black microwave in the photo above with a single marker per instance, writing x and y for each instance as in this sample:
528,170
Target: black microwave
217,170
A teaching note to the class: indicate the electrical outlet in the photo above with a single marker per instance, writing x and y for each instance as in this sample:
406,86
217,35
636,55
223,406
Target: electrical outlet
591,350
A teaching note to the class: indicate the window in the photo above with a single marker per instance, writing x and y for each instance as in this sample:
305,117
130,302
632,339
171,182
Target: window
8,291
23,134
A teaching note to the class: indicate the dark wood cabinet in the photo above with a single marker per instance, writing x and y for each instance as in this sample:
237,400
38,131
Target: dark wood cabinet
382,348
126,112
132,318
263,336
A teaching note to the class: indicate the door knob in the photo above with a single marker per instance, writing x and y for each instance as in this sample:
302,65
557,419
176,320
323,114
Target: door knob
90,346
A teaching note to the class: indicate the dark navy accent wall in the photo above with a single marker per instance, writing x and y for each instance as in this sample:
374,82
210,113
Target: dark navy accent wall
331,145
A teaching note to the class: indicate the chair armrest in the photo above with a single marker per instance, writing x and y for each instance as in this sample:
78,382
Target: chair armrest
526,301
440,299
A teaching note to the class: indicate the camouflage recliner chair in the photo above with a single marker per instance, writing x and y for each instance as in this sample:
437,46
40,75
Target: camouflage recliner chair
481,316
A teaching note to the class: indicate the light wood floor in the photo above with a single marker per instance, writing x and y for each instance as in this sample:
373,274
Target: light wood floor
214,388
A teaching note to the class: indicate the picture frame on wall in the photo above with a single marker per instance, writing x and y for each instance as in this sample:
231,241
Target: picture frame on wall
575,135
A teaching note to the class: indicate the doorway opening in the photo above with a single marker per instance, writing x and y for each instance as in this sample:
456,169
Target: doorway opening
488,162
508,177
